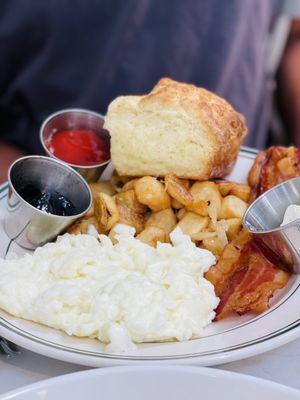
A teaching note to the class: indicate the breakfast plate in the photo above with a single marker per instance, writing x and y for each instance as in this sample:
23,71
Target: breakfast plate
232,338
159,382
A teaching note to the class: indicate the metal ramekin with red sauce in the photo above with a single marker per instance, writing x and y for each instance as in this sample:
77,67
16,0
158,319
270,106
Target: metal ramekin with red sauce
77,137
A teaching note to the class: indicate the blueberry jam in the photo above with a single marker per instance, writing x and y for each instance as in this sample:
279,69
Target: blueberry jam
47,200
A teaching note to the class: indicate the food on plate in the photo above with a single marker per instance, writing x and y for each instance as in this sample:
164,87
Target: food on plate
85,225
219,275
118,293
152,193
177,129
152,235
47,200
164,219
233,207
247,274
291,214
210,213
207,199
253,282
237,189
162,251
130,211
272,166
84,147
102,187
106,212
198,208
192,223
245,277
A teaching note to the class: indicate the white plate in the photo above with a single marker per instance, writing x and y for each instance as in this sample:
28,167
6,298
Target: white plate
230,339
154,382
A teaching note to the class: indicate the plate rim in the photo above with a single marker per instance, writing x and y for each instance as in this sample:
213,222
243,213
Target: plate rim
200,371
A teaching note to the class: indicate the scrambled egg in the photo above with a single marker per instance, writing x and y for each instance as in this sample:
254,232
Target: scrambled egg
121,294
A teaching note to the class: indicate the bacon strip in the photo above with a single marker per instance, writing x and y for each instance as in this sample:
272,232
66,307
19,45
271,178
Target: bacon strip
272,166
253,282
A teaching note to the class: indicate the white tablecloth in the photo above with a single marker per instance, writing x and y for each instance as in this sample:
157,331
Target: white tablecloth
281,365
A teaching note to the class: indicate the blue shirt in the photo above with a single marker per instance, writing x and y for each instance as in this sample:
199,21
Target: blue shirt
83,53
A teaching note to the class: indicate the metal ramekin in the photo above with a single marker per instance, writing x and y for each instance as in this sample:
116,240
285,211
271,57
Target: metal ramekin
29,226
264,217
75,118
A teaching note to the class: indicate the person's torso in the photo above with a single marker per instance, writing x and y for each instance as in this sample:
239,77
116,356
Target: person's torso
75,53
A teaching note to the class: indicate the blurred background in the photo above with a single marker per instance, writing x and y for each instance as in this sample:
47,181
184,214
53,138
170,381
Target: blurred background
60,54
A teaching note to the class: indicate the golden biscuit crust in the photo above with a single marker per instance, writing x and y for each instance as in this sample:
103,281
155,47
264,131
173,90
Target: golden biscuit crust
187,120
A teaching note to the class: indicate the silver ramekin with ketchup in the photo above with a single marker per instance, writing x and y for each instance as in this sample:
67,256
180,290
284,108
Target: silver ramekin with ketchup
77,137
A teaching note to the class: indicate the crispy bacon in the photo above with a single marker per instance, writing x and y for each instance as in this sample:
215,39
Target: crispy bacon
252,283
247,274
272,166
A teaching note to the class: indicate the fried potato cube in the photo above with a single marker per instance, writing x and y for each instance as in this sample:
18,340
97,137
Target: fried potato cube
200,236
106,212
96,188
151,235
200,207
207,193
164,219
232,207
214,245
241,191
221,232
129,185
112,233
233,227
178,189
102,187
129,199
192,223
101,213
232,250
131,211
81,225
218,274
237,189
118,181
152,193
128,217
175,204
180,213
220,228
90,212
225,187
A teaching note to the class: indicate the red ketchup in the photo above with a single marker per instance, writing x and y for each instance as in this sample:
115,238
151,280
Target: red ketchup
84,147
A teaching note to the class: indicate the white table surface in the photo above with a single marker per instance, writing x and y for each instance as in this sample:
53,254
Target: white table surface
281,365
